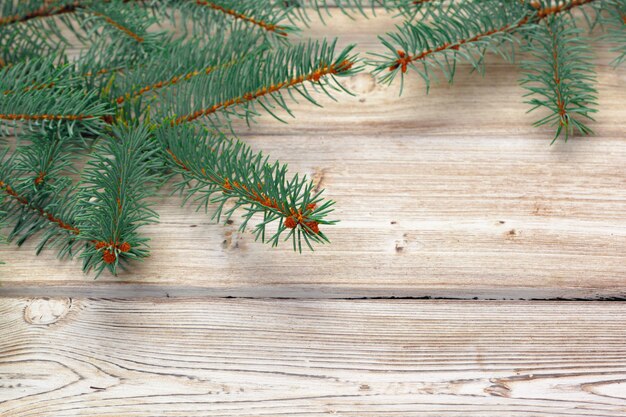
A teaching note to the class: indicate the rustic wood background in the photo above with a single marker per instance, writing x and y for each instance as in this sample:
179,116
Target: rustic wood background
452,194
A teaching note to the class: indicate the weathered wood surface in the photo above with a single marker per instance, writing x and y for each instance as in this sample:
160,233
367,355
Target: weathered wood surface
450,194
220,357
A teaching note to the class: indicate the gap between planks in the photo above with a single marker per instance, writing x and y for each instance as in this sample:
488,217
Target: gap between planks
134,290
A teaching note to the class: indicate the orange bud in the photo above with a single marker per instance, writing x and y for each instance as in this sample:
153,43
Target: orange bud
290,222
108,257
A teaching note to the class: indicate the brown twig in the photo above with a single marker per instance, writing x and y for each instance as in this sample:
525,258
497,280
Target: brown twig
36,117
279,30
43,11
404,59
119,26
557,78
314,76
43,213
292,217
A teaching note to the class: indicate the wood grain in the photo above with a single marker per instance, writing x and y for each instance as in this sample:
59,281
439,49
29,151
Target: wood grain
221,357
453,194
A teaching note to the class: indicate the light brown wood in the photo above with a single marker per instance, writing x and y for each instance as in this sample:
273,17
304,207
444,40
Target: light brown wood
218,357
450,194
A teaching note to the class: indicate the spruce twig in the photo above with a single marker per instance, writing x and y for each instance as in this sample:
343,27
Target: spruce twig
112,198
468,30
217,170
559,76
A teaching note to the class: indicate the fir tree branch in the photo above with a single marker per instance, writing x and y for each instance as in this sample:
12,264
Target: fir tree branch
33,210
64,101
38,74
193,59
130,165
138,91
100,72
314,76
616,33
114,186
37,117
218,170
259,80
262,17
41,193
27,34
466,33
104,60
31,88
119,26
43,11
559,76
43,162
46,10
118,17
22,200
270,27
24,44
478,25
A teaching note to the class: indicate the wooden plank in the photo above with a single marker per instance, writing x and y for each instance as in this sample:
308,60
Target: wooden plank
453,194
234,357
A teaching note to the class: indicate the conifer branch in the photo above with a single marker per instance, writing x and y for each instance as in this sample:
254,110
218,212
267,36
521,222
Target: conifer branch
138,91
314,76
477,25
466,31
43,11
105,60
26,33
412,9
270,27
50,217
97,209
37,117
39,74
262,17
20,45
33,210
100,72
616,33
51,10
31,88
43,162
218,170
463,34
63,101
194,59
119,26
102,97
234,92
40,190
114,16
112,195
559,76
